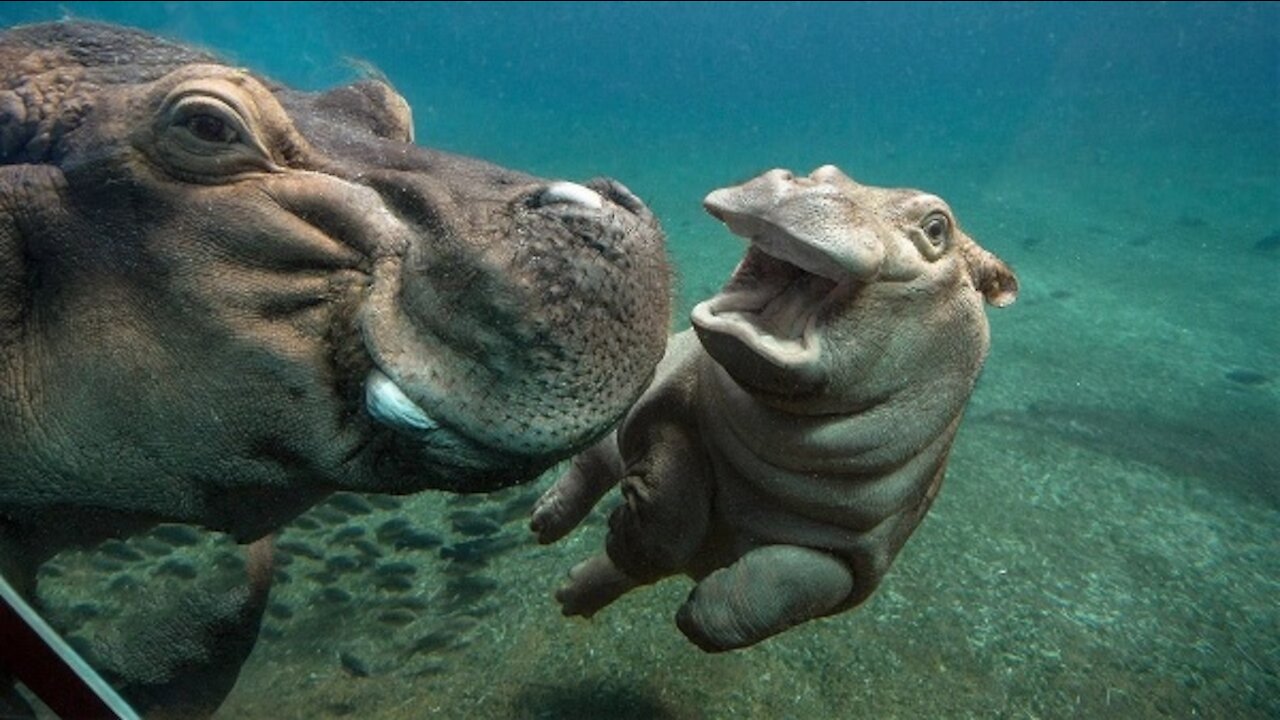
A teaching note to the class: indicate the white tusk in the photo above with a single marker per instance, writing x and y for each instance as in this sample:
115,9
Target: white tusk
388,404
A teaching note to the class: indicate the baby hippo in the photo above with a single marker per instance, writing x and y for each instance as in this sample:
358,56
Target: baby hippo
784,453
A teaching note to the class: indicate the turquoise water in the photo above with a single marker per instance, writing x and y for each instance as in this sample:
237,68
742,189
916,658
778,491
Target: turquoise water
1108,540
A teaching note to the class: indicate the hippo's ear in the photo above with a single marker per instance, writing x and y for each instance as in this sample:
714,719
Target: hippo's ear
991,276
373,104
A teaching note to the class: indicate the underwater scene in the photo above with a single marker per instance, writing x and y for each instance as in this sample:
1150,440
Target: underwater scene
1097,190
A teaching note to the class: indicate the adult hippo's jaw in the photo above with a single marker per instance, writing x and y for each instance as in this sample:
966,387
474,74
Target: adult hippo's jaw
221,299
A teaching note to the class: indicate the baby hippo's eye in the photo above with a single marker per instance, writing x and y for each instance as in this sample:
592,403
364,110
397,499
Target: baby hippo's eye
211,129
936,227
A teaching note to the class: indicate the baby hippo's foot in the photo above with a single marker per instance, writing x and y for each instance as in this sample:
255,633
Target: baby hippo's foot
553,517
593,584
763,593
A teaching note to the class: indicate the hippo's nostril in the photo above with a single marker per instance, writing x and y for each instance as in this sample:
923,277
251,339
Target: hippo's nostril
618,194
825,173
570,194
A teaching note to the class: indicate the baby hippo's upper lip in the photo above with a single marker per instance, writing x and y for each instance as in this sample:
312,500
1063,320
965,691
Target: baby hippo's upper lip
804,256
801,226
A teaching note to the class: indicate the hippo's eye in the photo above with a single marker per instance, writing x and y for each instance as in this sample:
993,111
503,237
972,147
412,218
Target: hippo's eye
205,132
209,120
936,227
211,129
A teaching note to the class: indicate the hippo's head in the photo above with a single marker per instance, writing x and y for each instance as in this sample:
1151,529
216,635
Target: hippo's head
221,298
849,294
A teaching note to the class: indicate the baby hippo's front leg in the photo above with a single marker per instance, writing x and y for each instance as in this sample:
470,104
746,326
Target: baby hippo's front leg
654,533
761,594
565,504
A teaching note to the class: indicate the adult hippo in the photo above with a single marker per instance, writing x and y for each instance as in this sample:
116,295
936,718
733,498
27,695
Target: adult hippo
786,451
222,299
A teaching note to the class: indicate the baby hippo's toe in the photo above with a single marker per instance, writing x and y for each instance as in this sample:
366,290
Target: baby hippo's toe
549,522
593,584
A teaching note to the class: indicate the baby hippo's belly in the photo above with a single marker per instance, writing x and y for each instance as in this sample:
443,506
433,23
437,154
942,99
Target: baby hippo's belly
860,516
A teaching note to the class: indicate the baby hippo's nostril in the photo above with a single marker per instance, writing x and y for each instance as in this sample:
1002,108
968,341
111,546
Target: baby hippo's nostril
825,173
571,194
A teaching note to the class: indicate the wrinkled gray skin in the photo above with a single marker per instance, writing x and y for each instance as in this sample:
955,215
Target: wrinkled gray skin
222,300
793,440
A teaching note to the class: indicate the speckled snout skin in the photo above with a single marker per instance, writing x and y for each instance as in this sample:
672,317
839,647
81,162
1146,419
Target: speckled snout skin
793,440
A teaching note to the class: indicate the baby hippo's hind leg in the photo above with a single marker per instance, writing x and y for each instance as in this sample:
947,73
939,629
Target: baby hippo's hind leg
763,593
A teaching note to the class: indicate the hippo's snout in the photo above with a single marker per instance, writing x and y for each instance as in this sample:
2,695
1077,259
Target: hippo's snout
525,324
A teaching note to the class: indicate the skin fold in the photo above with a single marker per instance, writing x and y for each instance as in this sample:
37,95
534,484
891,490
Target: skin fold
795,437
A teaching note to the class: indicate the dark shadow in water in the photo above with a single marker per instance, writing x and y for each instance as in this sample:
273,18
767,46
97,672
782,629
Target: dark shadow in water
586,699
1234,452
1269,243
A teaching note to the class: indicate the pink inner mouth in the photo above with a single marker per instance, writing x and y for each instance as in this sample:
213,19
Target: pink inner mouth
772,306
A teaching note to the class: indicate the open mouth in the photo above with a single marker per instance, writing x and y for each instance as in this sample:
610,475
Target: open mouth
772,306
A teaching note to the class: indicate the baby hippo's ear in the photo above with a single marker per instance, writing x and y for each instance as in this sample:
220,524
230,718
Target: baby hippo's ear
991,276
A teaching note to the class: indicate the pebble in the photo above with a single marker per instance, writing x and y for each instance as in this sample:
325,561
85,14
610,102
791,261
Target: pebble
279,611
334,595
106,564
350,504
305,522
394,583
347,532
367,548
392,529
384,502
434,641
473,524
417,540
124,582
396,568
396,617
177,535
329,516
152,546
297,547
177,568
353,664
120,551
342,563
